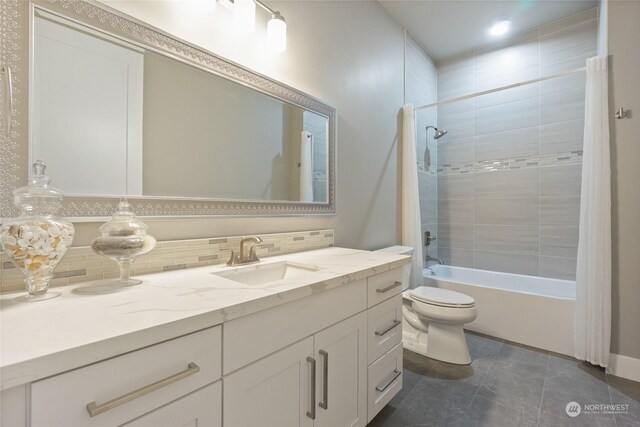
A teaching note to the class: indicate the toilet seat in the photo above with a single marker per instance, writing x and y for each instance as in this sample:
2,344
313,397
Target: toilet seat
442,297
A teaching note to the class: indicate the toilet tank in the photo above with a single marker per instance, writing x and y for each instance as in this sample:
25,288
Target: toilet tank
406,269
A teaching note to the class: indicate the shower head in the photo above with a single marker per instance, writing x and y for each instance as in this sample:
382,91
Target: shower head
439,132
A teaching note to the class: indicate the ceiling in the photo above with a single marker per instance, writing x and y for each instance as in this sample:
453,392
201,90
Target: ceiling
447,29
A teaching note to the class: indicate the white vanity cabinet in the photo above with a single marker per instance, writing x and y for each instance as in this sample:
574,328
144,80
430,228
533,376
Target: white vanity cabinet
319,381
341,373
200,408
337,359
121,389
330,359
317,375
273,392
384,374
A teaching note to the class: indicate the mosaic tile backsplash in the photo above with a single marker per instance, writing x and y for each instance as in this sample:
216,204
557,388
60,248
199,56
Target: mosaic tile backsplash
81,264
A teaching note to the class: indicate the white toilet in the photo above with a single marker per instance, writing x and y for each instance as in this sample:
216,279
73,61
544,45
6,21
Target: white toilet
433,319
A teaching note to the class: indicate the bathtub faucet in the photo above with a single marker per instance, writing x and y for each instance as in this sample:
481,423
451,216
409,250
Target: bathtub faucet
432,258
428,238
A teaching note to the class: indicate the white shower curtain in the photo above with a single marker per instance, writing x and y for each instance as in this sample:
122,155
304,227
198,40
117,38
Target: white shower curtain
411,228
593,274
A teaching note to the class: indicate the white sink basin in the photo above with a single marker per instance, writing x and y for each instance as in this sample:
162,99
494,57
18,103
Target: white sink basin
260,274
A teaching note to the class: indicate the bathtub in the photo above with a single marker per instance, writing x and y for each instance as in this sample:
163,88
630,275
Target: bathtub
535,311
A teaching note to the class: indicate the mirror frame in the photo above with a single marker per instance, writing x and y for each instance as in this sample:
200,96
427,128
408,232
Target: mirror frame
15,53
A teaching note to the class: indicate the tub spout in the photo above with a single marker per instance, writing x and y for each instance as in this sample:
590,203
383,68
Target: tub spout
431,258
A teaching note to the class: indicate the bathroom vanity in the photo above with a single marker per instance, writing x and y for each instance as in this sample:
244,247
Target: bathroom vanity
307,338
320,347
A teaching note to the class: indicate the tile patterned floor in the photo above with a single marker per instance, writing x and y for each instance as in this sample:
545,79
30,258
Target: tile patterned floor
506,385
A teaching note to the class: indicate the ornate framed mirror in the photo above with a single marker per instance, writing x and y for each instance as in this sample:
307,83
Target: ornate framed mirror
118,108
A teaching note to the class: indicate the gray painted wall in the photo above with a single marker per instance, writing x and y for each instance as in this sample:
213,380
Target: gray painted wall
354,64
624,33
509,168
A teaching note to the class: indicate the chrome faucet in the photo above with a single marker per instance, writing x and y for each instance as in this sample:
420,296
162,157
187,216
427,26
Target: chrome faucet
428,238
431,258
243,257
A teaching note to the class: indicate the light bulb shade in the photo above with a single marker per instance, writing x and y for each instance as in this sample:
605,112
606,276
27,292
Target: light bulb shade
244,16
277,34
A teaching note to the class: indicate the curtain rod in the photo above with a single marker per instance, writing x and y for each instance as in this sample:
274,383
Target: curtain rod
511,86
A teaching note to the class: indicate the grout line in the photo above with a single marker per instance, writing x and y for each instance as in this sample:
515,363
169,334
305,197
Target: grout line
544,384
539,174
606,379
412,388
563,29
482,380
475,177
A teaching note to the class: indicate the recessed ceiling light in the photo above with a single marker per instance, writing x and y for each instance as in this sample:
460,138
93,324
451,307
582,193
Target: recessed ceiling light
499,28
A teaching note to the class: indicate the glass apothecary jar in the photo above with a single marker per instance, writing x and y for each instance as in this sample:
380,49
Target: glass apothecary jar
122,239
37,240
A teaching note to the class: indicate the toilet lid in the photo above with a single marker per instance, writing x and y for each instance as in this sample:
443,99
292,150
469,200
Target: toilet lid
442,297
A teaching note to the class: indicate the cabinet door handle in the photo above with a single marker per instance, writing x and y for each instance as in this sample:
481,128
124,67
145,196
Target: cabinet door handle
382,388
312,413
395,323
95,409
324,404
388,288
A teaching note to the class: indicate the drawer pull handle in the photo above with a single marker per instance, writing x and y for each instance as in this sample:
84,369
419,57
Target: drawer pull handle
324,404
395,323
388,288
95,409
312,413
396,374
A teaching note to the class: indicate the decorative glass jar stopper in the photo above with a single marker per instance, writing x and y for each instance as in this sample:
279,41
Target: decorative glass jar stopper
37,240
124,237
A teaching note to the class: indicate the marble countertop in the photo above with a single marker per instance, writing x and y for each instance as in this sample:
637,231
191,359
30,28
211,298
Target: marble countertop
39,339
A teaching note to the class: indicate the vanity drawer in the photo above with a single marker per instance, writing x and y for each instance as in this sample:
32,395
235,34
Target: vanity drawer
200,408
384,381
120,389
257,335
384,327
383,286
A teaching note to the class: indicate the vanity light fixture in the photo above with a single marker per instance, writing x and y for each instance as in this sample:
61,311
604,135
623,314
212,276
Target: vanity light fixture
244,16
277,33
500,27
244,19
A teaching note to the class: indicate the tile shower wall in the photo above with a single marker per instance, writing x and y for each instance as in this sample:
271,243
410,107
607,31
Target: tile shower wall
420,89
509,169
81,264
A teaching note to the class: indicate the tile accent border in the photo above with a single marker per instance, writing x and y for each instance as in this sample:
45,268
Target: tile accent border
522,162
81,264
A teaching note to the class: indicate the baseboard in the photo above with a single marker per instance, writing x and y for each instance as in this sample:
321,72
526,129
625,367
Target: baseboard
624,366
